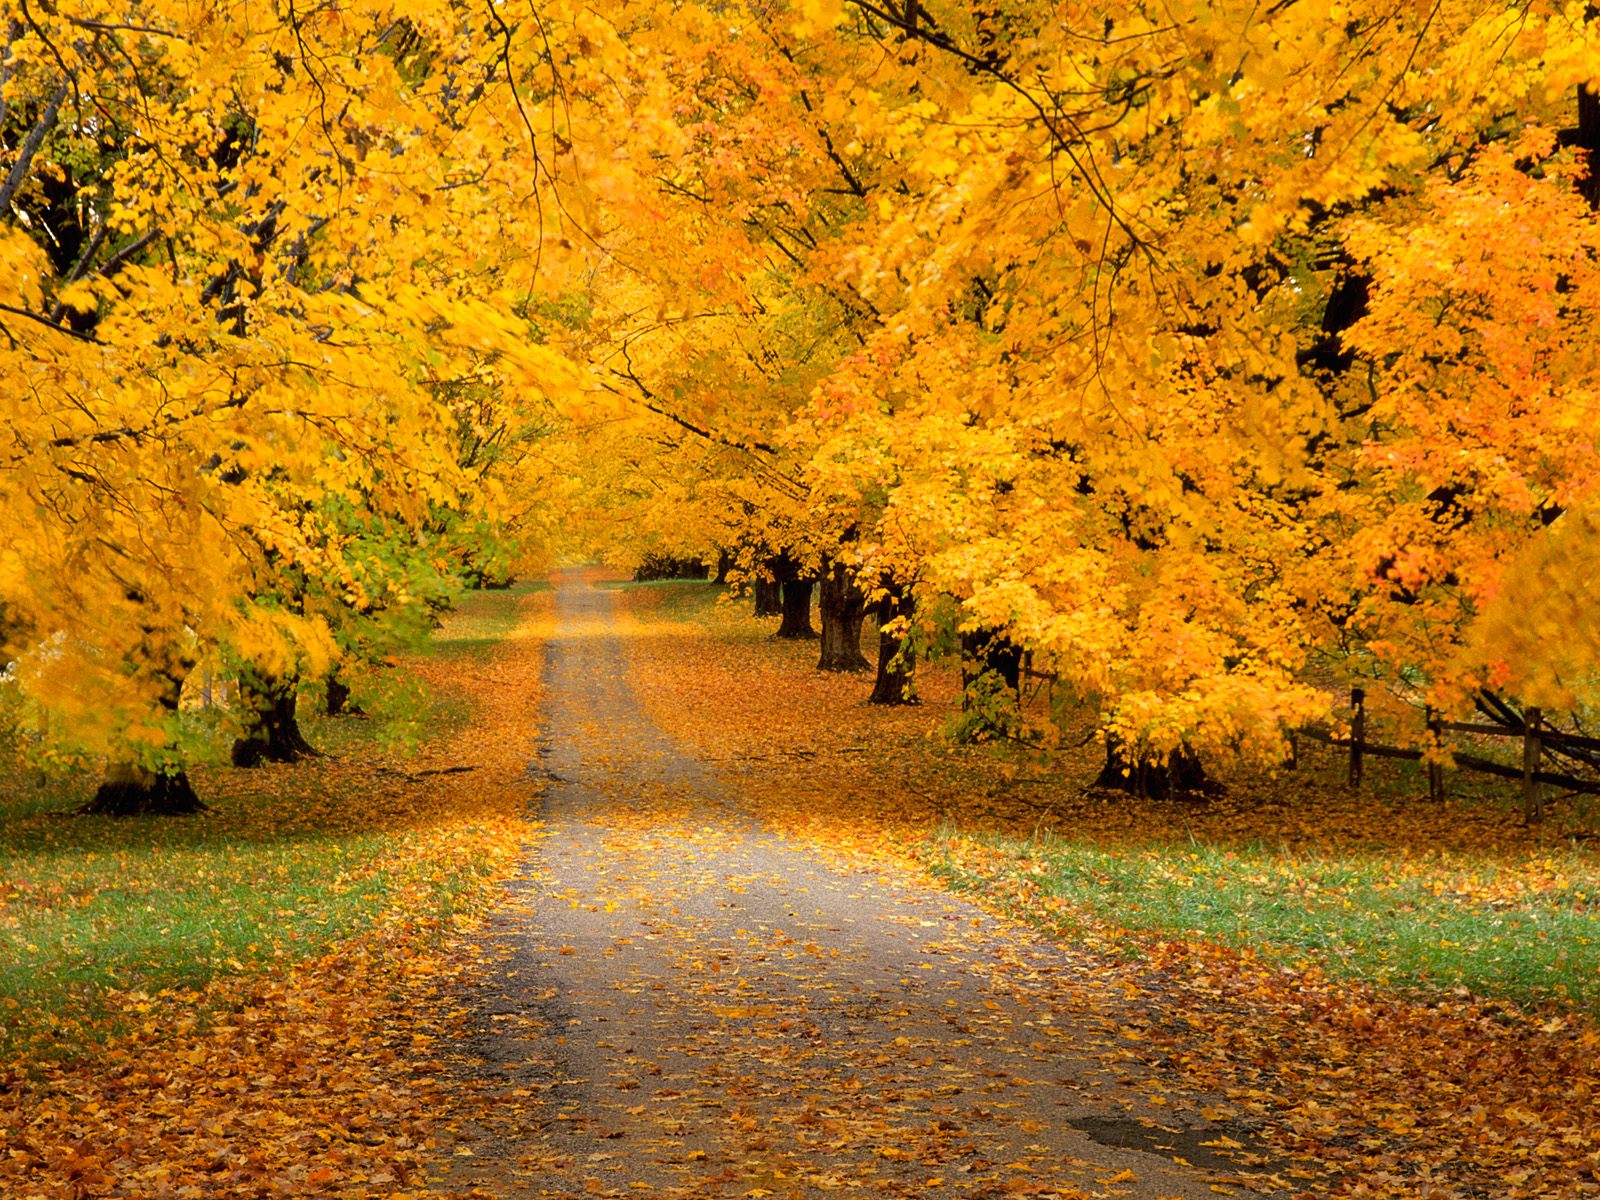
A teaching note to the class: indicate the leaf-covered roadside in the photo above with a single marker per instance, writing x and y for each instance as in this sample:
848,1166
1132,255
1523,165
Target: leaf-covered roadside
1371,1090
306,1076
1387,1094
1523,930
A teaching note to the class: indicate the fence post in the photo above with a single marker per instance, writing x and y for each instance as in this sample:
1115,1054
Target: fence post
1435,767
1358,731
1532,796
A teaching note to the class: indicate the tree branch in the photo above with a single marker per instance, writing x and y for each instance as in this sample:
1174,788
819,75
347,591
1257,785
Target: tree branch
30,147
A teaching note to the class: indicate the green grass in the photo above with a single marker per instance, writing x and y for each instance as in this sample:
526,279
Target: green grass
97,912
91,906
621,584
1526,930
686,595
401,713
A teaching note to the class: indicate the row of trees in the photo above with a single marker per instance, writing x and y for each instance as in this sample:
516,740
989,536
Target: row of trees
1210,354
268,331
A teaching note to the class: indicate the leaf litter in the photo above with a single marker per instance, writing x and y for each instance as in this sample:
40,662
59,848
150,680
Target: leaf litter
323,1077
683,999
1349,1087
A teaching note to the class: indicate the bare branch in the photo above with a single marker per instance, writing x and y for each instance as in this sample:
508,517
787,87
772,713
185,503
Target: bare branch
49,324
30,147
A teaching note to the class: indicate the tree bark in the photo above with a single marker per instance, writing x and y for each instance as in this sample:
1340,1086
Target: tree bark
795,593
336,698
273,733
893,684
1180,774
655,566
991,698
769,598
796,622
842,608
985,650
1589,141
30,146
130,790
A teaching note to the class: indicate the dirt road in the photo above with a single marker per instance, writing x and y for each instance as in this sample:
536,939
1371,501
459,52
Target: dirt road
687,1005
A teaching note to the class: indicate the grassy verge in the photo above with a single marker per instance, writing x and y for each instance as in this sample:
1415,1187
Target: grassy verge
1521,929
694,600
102,919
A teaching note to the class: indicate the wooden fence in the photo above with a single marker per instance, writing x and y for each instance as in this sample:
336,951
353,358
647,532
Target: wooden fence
1538,741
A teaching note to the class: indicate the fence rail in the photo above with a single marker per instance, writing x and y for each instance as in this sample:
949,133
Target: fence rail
1535,738
1553,737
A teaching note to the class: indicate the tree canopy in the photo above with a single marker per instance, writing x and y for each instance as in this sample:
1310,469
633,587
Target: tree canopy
1211,354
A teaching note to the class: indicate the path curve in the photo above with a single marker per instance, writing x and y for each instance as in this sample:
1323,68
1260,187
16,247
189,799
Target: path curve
688,1005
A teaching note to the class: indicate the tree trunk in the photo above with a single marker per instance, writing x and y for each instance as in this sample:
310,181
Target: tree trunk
893,684
130,790
769,598
991,699
336,699
1181,774
986,650
273,734
842,607
796,598
796,622
1588,141
656,565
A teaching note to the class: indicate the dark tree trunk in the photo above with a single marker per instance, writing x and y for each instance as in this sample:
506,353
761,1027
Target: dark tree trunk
1589,141
656,566
130,790
842,608
796,622
991,697
1180,774
795,590
986,650
893,684
134,791
769,598
725,561
336,699
273,733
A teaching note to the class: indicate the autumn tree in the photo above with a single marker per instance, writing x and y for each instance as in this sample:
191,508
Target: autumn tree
1188,352
1137,352
239,339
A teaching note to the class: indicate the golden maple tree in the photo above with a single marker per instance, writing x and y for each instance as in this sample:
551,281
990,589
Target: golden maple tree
1192,350
1208,355
249,253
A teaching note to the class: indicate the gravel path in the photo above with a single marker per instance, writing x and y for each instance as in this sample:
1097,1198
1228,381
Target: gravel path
683,1004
